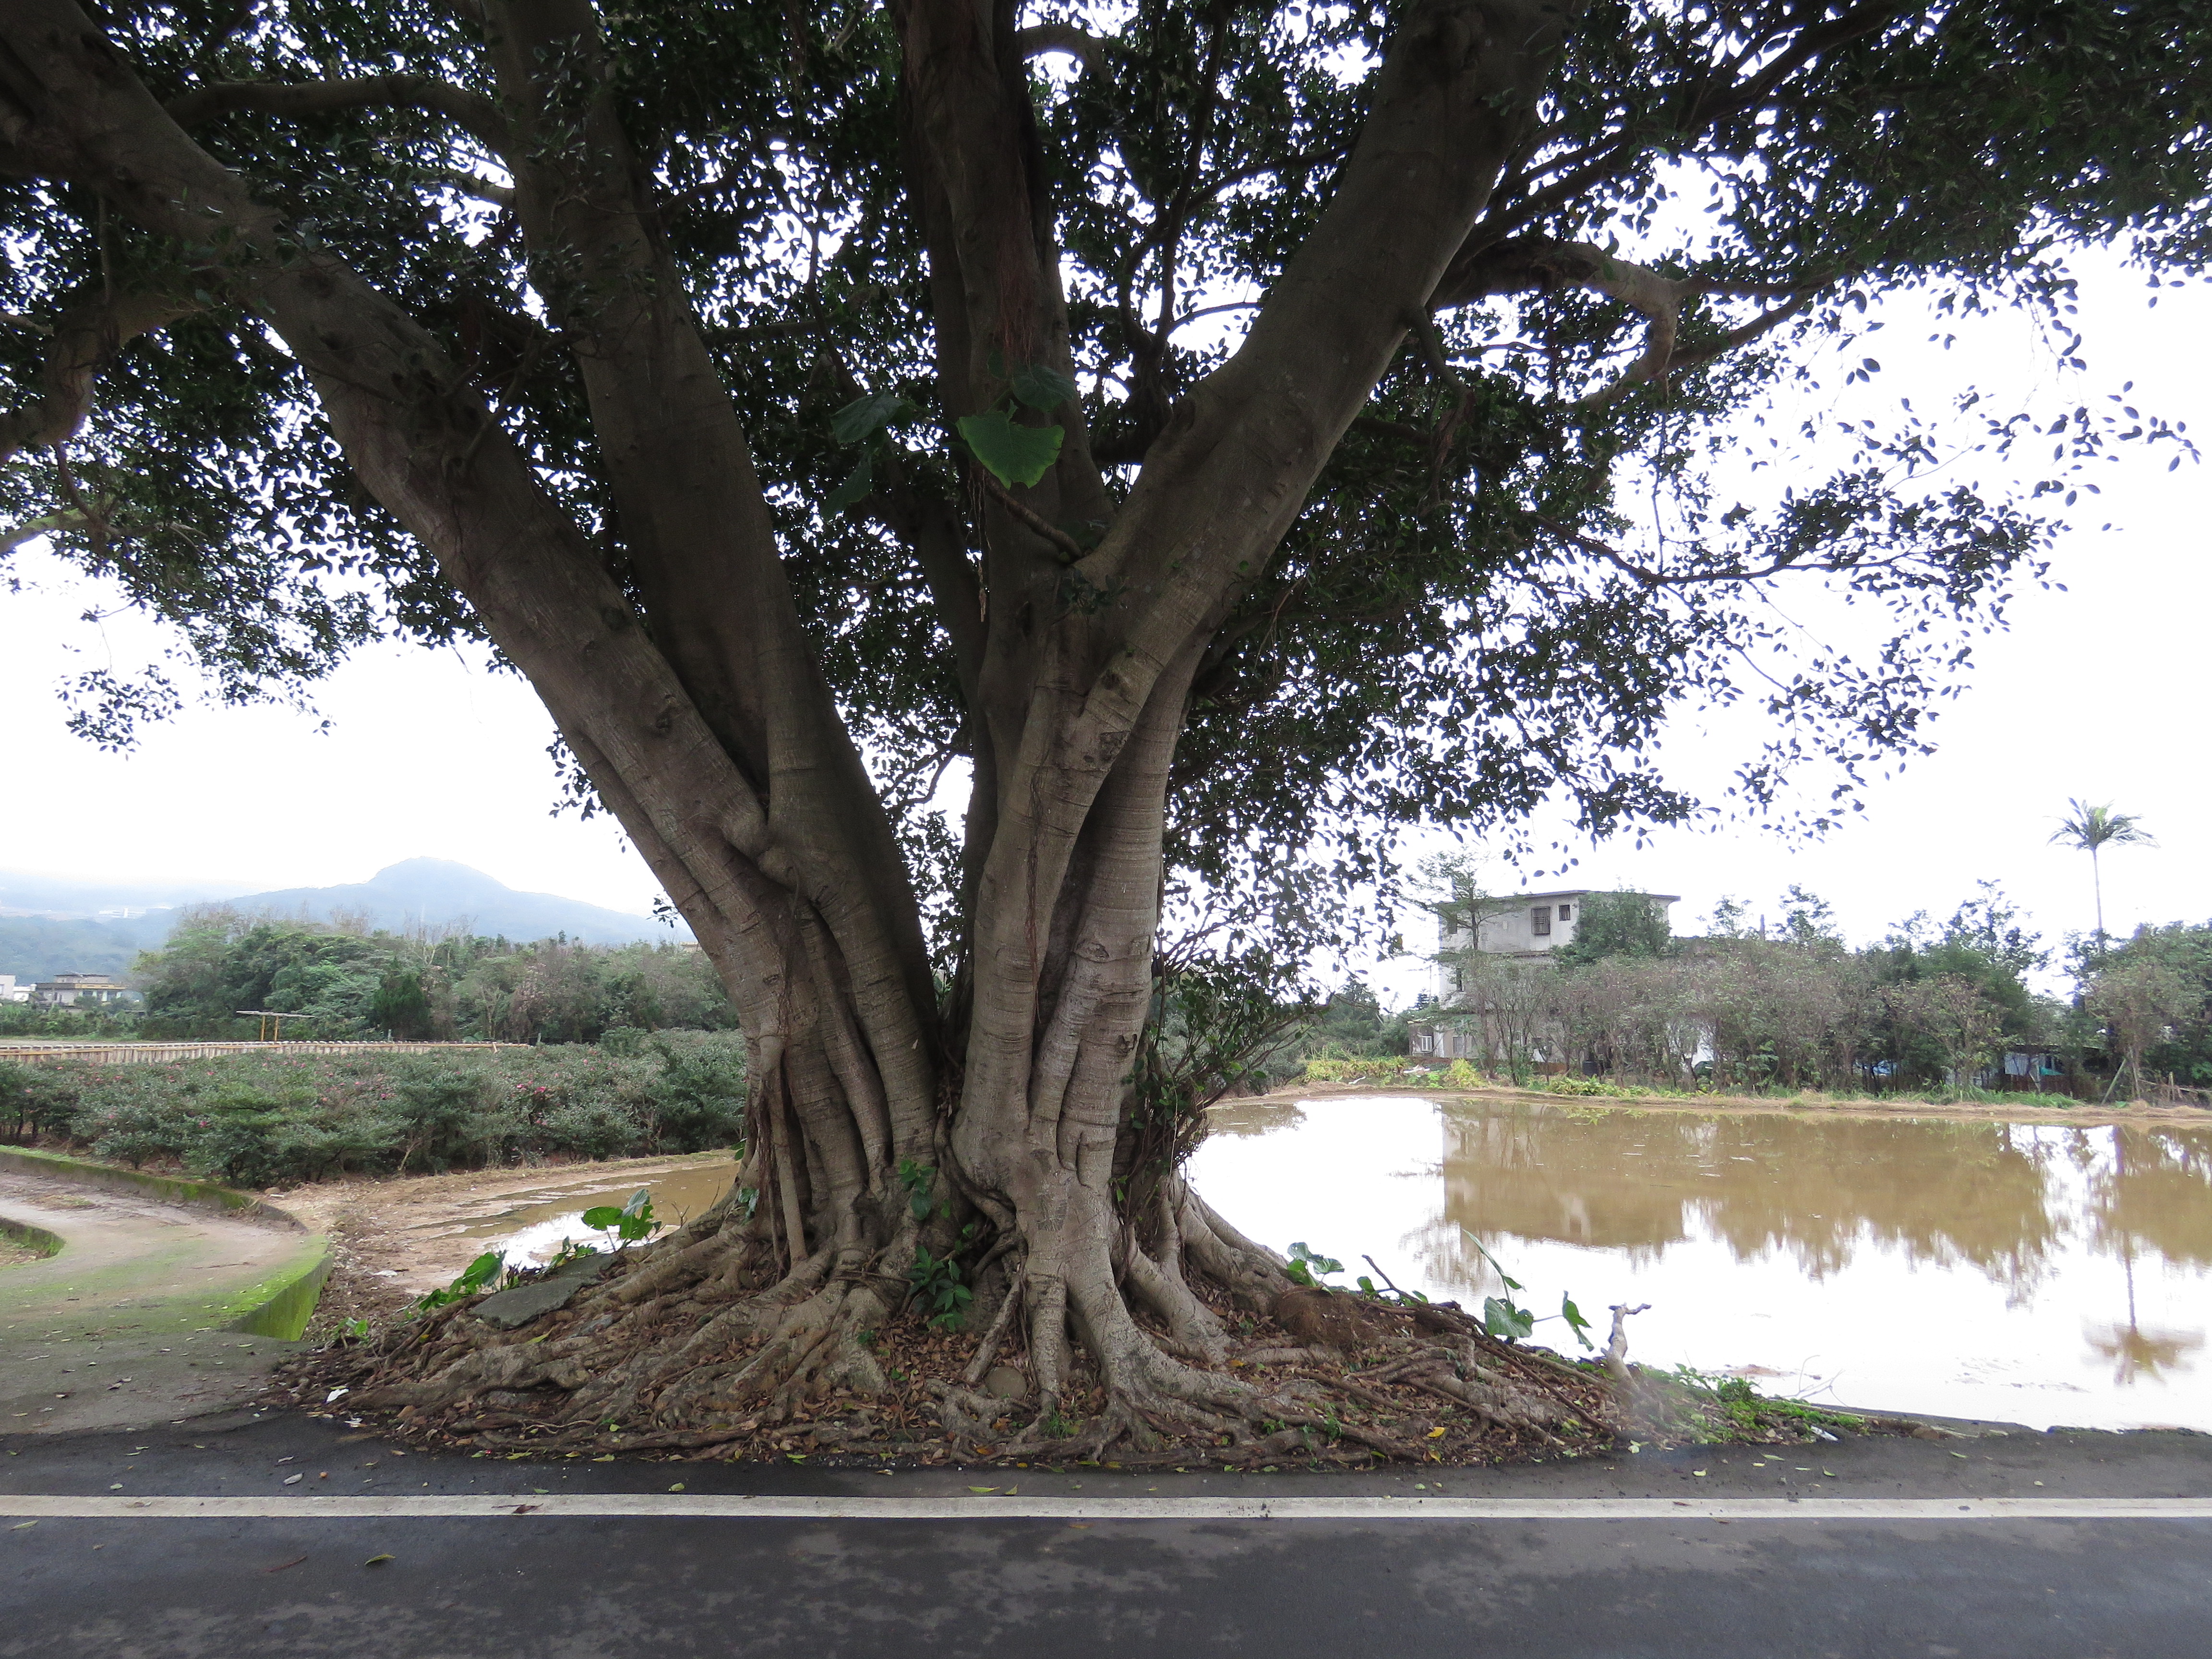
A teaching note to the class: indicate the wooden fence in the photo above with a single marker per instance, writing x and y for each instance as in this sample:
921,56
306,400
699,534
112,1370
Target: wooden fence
155,1053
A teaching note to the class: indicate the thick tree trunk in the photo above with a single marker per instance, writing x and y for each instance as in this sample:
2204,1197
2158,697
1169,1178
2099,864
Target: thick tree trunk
703,721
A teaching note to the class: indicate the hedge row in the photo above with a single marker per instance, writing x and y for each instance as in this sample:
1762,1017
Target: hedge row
256,1121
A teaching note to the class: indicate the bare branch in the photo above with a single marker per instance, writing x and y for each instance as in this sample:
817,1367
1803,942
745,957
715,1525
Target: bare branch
30,529
1052,532
1648,577
1539,264
474,113
482,189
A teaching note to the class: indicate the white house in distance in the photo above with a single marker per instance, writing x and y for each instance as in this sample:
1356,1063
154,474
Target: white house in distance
1527,926
1519,926
79,990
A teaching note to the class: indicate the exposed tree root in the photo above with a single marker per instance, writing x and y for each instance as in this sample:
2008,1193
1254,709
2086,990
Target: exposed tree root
699,1346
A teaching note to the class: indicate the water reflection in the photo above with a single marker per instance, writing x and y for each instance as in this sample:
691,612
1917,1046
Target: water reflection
1920,1264
1819,1189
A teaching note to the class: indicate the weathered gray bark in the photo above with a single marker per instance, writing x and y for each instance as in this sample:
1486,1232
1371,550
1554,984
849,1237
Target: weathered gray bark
706,726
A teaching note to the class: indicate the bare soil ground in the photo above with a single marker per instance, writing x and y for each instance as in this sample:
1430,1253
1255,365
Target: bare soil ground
392,1240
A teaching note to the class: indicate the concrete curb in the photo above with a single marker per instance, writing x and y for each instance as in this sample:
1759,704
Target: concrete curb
278,1305
169,1189
37,1238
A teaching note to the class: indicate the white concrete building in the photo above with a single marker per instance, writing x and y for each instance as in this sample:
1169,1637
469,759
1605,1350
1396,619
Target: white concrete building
1523,928
1526,926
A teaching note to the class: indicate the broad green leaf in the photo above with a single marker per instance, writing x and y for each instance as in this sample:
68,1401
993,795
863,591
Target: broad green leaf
864,417
1012,454
638,1201
600,1217
1502,1318
856,488
1041,388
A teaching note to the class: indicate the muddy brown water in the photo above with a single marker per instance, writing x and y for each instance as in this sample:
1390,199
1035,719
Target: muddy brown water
2040,1273
529,1225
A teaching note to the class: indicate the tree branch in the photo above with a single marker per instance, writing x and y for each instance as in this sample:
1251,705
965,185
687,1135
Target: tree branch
88,334
1068,546
1648,577
472,111
1063,37
1538,263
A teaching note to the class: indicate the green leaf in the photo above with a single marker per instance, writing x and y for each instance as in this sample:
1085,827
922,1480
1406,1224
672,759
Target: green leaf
640,1201
601,1216
479,1271
1502,1318
856,488
1012,454
1576,1322
864,417
1041,388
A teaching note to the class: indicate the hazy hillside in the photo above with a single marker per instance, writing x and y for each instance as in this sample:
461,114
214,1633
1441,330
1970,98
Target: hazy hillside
38,947
70,937
24,890
436,892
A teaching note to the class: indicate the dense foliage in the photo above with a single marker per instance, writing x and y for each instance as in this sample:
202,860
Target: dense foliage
1785,1004
352,983
1517,562
2149,1001
258,1120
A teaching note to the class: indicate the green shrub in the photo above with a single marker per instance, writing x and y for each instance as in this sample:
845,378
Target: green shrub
261,1120
699,1097
36,1099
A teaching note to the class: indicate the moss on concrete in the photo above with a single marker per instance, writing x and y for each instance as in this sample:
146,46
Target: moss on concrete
115,1177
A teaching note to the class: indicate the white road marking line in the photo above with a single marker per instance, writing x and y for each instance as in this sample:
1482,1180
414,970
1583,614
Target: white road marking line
735,1506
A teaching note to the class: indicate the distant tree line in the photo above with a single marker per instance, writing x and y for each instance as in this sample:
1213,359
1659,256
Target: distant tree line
345,980
1789,1004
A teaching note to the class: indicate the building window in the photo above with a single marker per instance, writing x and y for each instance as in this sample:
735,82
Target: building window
1567,913
1540,920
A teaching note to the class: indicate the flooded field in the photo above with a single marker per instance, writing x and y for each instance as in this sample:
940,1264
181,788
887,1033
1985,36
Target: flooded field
530,1224
2038,1273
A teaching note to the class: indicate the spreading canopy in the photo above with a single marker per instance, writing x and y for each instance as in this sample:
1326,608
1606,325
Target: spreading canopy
1468,610
1233,430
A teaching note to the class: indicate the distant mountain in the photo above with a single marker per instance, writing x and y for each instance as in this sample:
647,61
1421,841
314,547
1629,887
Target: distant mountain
438,893
23,892
38,947
50,925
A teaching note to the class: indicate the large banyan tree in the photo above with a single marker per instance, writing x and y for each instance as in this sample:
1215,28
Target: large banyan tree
1222,431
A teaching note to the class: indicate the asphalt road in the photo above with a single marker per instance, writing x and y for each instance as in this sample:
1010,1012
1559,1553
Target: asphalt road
607,1587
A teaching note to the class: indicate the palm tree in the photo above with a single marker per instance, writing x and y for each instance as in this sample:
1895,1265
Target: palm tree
2093,828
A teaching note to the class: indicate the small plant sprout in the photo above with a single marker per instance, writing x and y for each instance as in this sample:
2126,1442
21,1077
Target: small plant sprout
937,1286
631,1223
1308,1269
1502,1317
474,1279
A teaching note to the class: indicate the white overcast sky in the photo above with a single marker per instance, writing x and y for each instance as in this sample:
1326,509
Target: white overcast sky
2098,691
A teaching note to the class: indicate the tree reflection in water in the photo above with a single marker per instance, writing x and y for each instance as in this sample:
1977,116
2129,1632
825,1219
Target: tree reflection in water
2151,1192
1945,1193
1918,1263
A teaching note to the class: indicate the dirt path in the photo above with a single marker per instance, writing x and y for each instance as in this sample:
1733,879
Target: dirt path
122,1328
